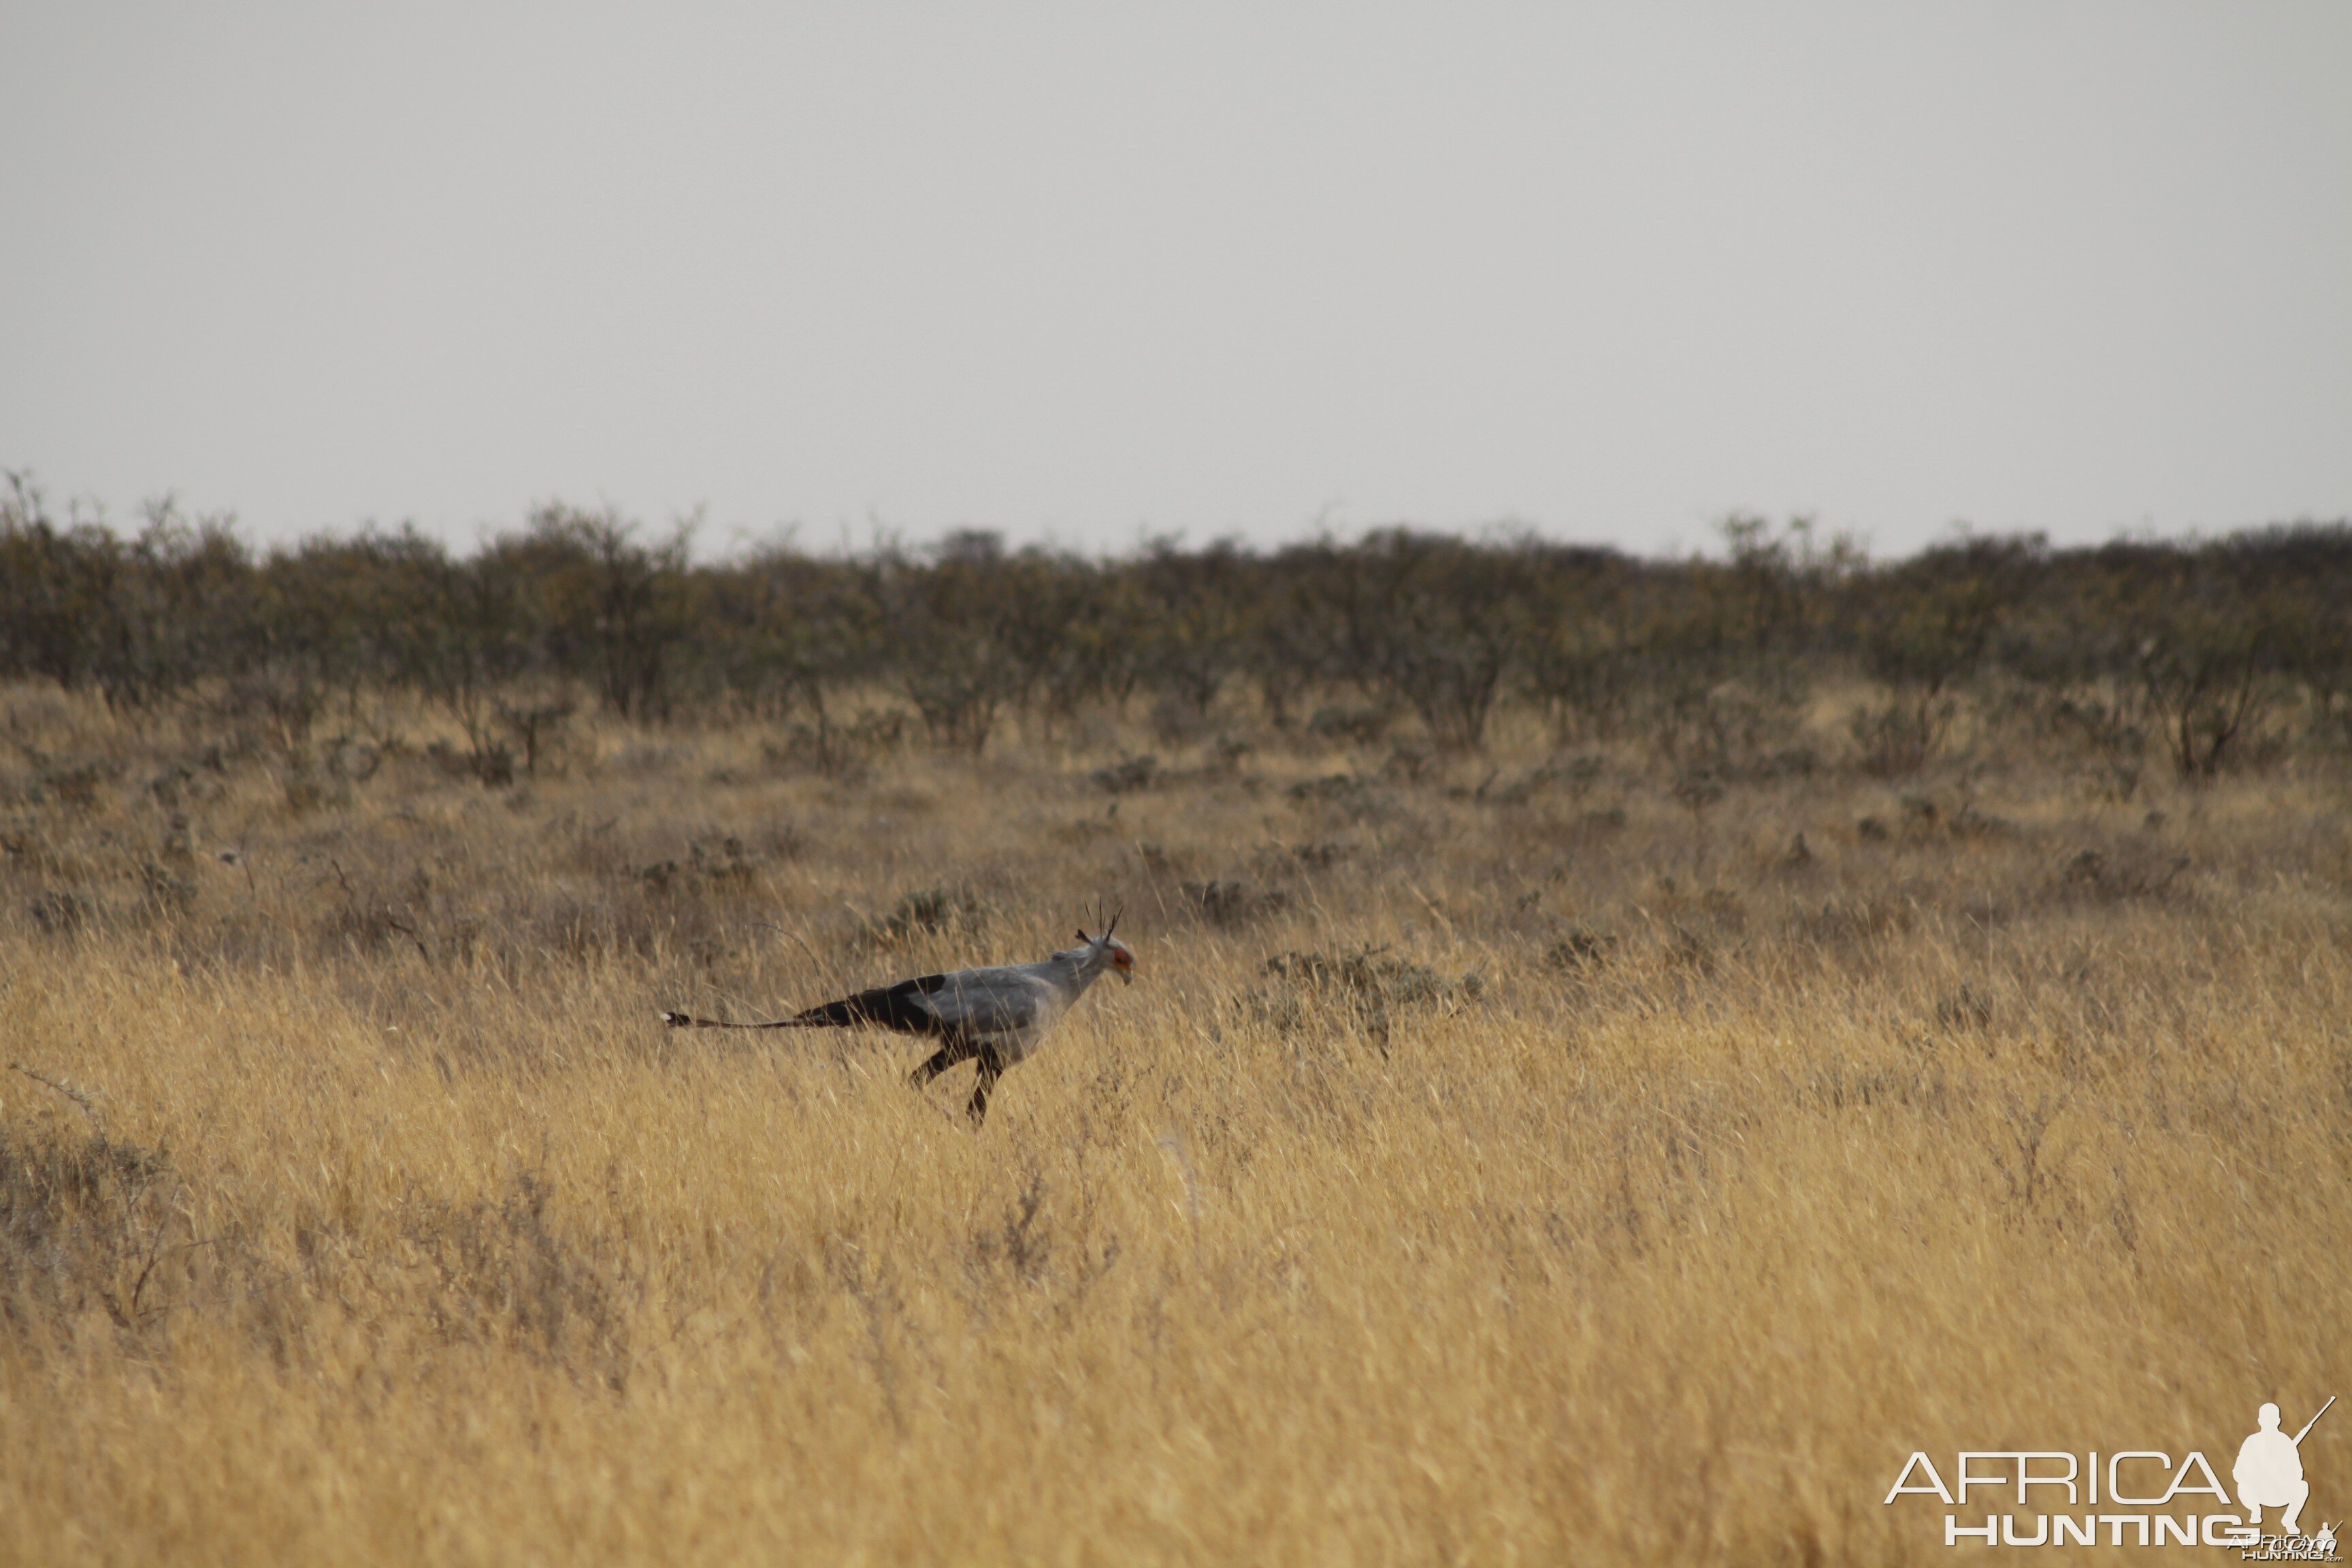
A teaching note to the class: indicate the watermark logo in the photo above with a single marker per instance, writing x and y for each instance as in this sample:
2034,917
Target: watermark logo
2138,1497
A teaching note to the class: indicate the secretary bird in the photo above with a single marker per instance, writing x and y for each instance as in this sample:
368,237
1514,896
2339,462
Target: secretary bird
998,1015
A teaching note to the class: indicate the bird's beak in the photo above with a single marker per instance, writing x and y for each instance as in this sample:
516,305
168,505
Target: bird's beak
1127,976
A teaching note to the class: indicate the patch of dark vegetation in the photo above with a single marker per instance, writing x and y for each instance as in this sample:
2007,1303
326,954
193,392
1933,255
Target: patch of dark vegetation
71,783
1359,725
1367,987
1128,775
932,911
715,862
1278,859
1966,1009
1331,787
97,1228
61,912
846,752
2097,876
1852,922
1573,776
1230,902
88,1225
1579,950
506,1273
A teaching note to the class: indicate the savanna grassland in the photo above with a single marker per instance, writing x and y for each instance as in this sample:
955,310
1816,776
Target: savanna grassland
1510,1154
1626,1051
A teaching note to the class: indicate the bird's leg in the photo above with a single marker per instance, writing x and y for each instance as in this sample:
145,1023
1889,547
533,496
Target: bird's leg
991,1067
938,1062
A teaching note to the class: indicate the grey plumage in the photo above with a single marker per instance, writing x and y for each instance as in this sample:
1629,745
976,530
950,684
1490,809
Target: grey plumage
997,1015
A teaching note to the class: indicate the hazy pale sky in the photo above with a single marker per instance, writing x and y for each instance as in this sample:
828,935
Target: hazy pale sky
1078,272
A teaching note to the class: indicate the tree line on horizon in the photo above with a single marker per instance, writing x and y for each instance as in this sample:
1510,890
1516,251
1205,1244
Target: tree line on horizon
2184,649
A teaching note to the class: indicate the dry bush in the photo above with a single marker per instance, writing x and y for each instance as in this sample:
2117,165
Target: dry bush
1530,1181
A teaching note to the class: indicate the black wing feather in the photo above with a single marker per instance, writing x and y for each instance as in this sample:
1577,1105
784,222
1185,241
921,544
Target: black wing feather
901,1007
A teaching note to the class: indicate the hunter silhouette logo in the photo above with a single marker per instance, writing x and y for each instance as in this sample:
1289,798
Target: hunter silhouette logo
2160,1499
2268,1471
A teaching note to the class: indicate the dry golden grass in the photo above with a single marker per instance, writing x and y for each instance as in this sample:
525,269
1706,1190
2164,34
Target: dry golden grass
1643,1194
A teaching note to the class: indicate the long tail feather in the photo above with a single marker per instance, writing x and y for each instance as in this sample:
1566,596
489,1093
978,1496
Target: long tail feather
899,1007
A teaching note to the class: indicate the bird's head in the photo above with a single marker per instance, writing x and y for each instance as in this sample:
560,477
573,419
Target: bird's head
1108,949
